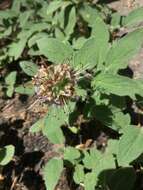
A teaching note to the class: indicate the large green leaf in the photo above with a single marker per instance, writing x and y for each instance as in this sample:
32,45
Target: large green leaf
52,172
134,17
101,34
123,50
130,145
90,54
6,154
55,50
116,84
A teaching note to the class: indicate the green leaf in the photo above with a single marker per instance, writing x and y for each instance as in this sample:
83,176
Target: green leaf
86,56
55,50
123,50
120,121
134,17
11,78
71,22
100,30
36,37
24,16
89,13
6,32
36,127
90,181
98,161
53,121
115,21
78,43
53,6
130,145
116,84
7,14
16,49
6,154
29,68
78,175
71,154
101,34
10,82
27,89
52,172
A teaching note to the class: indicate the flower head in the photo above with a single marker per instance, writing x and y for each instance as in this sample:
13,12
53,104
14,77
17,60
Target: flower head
55,83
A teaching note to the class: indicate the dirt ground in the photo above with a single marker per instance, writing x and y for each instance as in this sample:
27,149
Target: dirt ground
33,150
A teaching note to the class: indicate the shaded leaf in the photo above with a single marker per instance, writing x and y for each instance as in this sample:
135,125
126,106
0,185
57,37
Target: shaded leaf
6,154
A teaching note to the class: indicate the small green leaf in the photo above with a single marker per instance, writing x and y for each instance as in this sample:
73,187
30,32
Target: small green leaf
29,68
53,6
71,22
36,127
90,181
36,37
52,172
16,49
6,154
78,175
71,154
55,50
134,17
28,90
10,82
115,21
100,30
11,78
24,16
89,13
